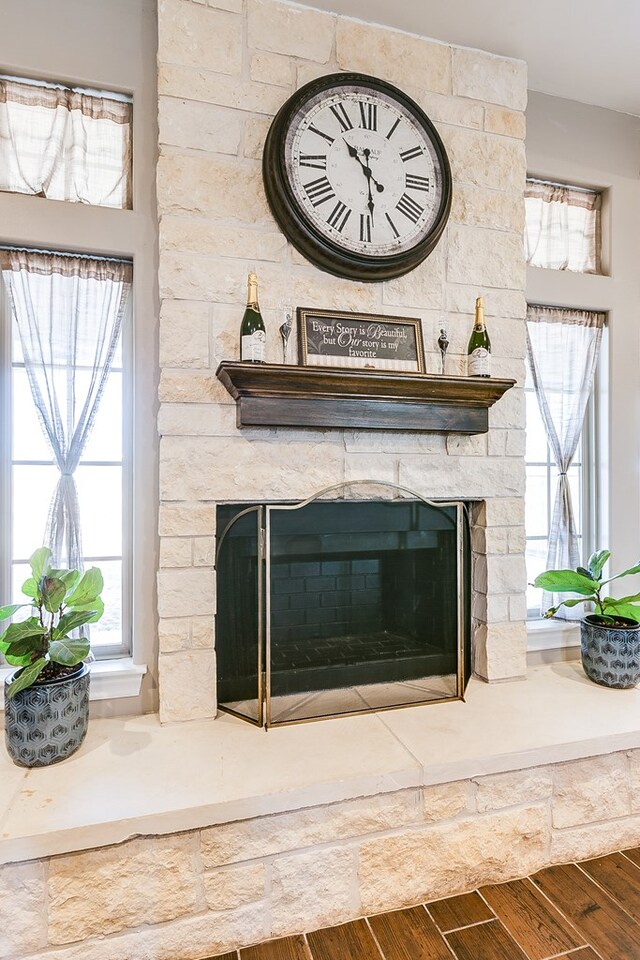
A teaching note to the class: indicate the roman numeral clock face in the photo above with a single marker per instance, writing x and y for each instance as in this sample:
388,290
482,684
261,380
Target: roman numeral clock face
357,177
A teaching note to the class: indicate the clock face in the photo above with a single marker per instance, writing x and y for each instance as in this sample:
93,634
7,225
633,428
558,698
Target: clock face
357,176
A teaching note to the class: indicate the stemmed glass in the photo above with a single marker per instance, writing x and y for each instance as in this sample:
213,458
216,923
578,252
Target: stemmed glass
286,311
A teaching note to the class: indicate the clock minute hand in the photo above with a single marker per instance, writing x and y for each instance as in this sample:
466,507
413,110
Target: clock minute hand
353,152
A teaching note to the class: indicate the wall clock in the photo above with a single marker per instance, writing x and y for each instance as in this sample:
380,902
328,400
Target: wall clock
357,177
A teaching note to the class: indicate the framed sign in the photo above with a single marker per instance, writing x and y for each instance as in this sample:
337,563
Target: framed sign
360,341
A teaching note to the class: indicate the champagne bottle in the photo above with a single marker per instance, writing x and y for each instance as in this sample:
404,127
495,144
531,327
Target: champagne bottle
479,349
252,332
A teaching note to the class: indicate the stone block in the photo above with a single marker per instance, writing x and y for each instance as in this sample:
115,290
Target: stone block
313,890
233,6
186,386
204,552
590,790
516,443
476,206
422,287
489,609
596,840
265,836
293,31
202,633
443,801
448,858
483,76
485,159
187,519
197,420
174,634
99,892
175,552
200,468
497,443
500,651
255,134
452,110
23,926
508,123
231,888
503,304
271,68
184,334
394,55
204,85
474,445
511,789
518,607
368,466
393,441
464,477
212,238
185,593
187,684
500,512
198,126
509,413
504,574
489,258
212,186
191,35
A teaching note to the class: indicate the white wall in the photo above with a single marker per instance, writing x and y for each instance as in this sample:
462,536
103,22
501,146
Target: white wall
576,143
108,45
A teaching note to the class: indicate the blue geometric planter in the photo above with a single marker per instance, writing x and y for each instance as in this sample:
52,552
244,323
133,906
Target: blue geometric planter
48,722
611,655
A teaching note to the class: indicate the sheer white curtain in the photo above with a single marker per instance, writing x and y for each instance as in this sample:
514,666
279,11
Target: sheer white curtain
562,229
563,348
64,144
68,313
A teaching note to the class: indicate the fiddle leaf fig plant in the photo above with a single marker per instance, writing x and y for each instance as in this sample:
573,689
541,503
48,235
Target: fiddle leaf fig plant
60,602
588,582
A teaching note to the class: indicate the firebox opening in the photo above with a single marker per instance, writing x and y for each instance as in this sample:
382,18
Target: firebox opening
334,607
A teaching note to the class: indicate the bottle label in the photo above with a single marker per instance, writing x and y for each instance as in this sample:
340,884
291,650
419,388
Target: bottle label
252,346
479,363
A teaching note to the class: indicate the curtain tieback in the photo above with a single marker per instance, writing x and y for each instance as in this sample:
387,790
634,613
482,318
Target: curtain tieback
562,473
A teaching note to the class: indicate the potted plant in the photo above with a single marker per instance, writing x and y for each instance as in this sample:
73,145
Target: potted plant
610,637
47,699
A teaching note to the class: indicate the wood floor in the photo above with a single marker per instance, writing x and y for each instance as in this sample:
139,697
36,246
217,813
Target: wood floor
584,911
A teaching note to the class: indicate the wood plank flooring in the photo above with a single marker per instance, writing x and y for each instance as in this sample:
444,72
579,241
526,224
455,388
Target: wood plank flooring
577,911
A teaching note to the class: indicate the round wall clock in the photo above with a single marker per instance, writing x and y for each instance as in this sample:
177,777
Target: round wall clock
357,177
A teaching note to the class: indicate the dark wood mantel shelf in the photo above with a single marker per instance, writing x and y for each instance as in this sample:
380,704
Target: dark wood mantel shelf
274,395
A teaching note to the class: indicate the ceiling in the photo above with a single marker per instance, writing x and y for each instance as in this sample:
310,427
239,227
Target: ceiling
583,50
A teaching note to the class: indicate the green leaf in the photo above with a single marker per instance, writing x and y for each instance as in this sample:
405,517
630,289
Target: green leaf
629,610
71,621
564,581
68,651
8,611
20,631
90,587
96,607
569,603
18,661
26,678
53,592
585,573
597,561
40,563
30,588
625,573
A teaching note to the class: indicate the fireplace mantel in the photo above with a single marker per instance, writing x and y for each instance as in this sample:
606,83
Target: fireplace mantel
278,395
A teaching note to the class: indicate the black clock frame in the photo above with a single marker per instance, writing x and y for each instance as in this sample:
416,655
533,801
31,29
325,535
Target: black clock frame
301,231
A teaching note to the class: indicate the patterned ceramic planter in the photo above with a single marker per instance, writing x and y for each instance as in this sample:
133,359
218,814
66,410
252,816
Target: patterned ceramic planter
48,722
611,655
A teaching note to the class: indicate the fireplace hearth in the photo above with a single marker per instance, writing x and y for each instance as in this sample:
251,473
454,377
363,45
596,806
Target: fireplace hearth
335,606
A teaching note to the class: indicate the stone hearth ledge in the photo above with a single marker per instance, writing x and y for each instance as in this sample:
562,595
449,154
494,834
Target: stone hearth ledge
135,777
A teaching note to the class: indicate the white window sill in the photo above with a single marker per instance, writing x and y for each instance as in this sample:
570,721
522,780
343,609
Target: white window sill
110,679
552,635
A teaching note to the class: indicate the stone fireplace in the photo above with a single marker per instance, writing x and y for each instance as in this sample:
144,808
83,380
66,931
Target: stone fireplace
222,77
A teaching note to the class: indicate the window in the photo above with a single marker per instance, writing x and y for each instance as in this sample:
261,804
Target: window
65,143
562,355
563,227
69,479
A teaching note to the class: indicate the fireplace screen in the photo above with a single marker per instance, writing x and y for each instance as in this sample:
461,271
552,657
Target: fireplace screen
332,607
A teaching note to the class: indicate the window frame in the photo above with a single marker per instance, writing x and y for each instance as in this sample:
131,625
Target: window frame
7,463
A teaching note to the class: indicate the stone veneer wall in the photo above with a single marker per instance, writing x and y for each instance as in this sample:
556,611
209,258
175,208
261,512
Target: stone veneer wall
225,67
191,895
